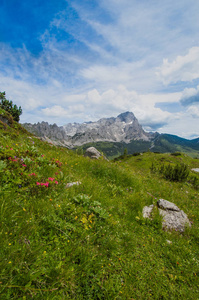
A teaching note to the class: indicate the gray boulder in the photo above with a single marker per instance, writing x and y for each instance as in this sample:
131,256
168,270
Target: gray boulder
173,217
166,205
92,153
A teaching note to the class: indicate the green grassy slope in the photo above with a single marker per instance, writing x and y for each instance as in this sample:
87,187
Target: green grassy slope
90,241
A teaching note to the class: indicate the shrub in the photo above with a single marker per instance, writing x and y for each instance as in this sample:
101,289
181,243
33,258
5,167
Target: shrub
8,106
136,153
179,172
176,154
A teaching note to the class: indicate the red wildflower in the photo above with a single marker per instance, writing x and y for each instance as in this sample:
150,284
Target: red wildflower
51,179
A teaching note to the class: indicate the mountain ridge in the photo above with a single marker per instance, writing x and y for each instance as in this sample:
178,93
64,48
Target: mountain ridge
124,128
112,135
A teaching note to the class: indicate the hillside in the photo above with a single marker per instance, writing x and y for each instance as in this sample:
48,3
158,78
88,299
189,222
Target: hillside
90,241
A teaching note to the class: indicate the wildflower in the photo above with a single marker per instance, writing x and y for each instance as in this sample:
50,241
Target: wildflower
42,155
24,209
56,182
9,244
51,179
38,183
50,199
24,165
11,149
10,262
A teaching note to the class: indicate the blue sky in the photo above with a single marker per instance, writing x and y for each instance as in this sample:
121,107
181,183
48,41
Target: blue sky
75,61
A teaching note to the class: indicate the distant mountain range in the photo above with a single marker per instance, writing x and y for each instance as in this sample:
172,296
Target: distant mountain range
112,136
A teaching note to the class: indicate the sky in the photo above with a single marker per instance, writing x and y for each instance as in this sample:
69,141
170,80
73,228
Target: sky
82,60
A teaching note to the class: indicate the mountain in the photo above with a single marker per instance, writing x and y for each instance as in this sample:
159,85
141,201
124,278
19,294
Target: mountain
112,136
124,128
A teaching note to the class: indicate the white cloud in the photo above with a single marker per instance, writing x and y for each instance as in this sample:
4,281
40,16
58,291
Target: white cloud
190,96
55,111
115,101
186,127
109,65
183,68
193,110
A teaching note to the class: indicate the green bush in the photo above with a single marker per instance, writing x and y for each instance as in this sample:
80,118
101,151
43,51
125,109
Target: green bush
179,172
8,106
176,154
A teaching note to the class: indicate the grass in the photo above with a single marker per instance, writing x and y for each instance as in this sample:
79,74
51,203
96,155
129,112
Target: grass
90,241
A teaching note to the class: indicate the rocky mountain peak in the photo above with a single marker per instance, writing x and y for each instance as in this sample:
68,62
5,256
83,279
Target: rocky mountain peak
126,117
124,128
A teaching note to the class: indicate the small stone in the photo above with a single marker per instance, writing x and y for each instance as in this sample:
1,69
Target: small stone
195,169
68,185
169,242
147,210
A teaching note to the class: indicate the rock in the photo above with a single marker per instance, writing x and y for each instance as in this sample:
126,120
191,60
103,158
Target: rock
166,205
93,153
169,242
173,217
68,185
147,210
195,169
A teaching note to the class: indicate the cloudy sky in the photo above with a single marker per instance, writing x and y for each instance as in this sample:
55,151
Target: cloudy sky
81,60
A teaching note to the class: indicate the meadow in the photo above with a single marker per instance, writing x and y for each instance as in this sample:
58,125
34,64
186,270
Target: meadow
90,241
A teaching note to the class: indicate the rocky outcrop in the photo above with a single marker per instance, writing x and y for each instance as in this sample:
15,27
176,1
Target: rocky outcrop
92,153
173,217
124,128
